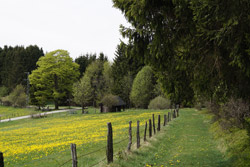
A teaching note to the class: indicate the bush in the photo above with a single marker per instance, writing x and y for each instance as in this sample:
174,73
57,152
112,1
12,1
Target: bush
17,97
109,101
235,144
3,91
142,88
231,127
6,101
159,103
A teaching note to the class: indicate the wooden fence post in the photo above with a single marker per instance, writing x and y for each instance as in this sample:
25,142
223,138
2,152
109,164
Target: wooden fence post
153,122
74,155
145,133
150,128
110,144
165,120
174,114
1,160
130,136
138,134
159,123
169,116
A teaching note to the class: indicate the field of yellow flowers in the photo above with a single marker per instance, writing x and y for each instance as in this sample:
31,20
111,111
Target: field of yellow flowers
46,141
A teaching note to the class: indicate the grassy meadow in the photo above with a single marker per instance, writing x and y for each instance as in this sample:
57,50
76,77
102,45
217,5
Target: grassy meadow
46,141
185,142
10,112
7,112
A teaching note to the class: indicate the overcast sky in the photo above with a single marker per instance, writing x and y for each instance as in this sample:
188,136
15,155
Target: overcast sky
79,26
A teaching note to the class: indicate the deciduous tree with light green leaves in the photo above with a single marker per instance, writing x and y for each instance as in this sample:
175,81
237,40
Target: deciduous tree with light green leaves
142,89
54,77
83,92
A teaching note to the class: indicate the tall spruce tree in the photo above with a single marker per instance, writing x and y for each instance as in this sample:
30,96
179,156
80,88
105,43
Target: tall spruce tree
201,43
124,70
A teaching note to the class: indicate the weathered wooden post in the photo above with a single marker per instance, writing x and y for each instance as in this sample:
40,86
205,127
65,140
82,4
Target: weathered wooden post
74,155
174,114
165,120
150,127
159,123
101,108
110,151
1,160
130,136
145,132
169,116
138,134
153,122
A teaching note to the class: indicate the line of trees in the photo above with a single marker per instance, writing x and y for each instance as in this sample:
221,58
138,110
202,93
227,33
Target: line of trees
200,50
14,63
56,78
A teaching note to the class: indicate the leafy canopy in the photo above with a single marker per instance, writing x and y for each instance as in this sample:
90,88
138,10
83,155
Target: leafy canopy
142,89
54,77
82,91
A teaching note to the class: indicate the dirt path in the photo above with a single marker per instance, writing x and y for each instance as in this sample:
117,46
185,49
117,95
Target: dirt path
29,116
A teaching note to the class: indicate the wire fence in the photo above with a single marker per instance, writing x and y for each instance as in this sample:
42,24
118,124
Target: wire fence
117,145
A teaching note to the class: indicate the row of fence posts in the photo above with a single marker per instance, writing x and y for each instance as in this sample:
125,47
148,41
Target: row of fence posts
110,150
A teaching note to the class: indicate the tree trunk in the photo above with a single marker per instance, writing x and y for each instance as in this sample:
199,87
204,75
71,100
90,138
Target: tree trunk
56,104
56,89
82,109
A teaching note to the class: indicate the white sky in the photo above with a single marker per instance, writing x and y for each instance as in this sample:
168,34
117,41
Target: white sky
79,26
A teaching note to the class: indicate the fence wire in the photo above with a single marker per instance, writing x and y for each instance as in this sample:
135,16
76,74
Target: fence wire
124,132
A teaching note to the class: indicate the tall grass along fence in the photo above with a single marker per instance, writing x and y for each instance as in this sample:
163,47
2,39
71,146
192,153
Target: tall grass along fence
149,126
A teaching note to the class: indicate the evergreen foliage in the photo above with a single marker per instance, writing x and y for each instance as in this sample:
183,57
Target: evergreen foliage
84,61
15,61
199,48
124,70
95,73
196,46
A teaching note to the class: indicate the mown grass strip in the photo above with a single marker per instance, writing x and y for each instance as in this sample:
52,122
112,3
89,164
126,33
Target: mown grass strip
186,141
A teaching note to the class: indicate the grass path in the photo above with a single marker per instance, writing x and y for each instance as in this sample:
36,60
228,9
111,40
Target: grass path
185,142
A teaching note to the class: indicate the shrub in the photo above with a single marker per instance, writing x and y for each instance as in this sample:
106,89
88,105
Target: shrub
232,128
142,89
159,103
17,97
235,144
6,101
109,100
3,91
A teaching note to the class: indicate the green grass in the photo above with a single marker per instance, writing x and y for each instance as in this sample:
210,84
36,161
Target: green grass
7,112
46,141
10,112
185,142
